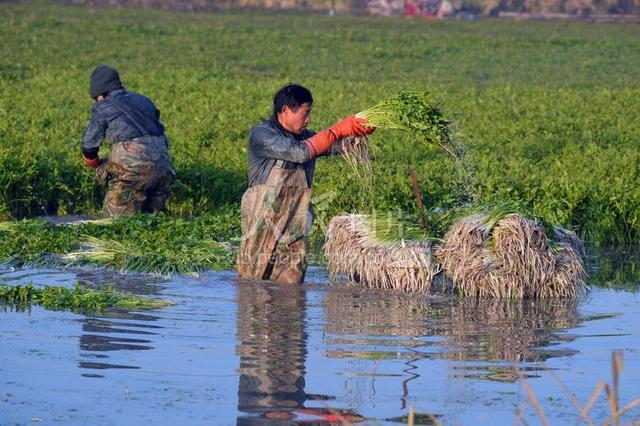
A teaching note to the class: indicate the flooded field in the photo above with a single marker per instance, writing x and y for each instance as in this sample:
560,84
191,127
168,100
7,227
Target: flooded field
231,352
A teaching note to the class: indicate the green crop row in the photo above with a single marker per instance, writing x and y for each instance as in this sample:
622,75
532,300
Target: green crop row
548,112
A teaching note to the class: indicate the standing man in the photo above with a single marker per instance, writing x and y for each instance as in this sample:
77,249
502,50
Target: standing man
276,208
138,170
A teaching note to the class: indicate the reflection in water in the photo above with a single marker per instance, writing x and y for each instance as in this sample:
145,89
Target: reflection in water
97,345
272,346
370,325
368,312
92,342
140,284
272,350
101,340
615,266
98,337
508,330
101,366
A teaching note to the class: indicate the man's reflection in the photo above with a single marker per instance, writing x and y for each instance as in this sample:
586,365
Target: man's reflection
272,350
272,346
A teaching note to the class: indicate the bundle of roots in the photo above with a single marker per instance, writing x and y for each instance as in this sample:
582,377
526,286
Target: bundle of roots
512,257
353,249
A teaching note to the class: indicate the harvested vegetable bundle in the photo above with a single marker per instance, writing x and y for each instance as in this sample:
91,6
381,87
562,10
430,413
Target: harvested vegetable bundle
413,112
409,111
368,253
504,254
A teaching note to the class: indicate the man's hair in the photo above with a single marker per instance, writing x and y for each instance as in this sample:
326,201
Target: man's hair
291,95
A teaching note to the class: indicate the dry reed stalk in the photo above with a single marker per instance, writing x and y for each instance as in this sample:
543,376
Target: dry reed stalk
512,258
519,417
533,399
583,413
352,250
611,391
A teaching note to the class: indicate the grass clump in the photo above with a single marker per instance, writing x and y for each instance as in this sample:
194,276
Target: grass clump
33,243
78,299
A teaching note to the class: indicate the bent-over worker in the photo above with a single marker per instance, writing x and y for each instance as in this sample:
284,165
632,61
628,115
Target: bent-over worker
138,171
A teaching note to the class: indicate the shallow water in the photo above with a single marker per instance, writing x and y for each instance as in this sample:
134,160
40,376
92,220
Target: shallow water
232,352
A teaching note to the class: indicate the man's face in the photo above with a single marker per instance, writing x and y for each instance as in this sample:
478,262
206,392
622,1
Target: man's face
296,120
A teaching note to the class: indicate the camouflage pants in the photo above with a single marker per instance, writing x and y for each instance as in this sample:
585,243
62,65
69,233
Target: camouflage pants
139,175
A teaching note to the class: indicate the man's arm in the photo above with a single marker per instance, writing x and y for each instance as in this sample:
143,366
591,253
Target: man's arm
269,143
93,138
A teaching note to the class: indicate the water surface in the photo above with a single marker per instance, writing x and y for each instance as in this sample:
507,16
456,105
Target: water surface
233,352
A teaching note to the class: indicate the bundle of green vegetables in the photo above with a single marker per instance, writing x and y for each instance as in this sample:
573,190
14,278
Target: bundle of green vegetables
388,230
414,112
410,111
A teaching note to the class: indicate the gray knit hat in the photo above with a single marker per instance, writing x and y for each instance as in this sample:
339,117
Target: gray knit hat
104,79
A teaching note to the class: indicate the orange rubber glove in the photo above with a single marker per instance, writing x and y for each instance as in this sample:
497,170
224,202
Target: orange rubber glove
91,162
320,142
350,126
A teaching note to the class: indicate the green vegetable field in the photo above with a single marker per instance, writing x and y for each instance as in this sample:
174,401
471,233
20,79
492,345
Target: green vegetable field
548,112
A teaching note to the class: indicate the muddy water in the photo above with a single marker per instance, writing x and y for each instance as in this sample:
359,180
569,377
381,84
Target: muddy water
232,352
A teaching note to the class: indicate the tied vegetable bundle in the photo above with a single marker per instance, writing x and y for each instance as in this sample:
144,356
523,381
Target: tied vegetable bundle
378,253
505,254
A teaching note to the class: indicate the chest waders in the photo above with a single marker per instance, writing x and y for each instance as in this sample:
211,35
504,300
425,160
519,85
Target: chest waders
276,219
139,172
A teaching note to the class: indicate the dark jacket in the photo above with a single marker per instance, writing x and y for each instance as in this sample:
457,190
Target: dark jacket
270,142
120,117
